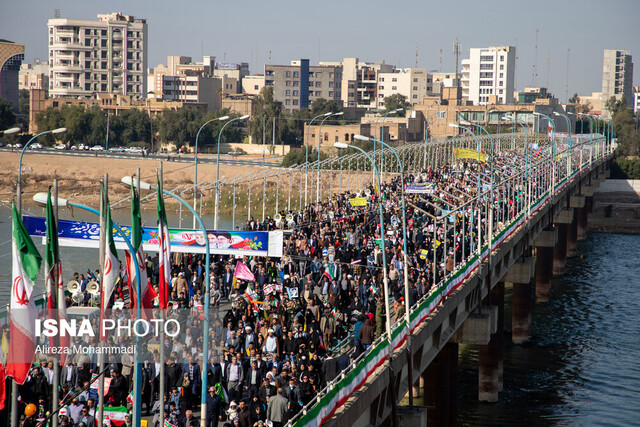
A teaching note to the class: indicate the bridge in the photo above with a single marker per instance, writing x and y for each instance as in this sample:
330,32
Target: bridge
527,218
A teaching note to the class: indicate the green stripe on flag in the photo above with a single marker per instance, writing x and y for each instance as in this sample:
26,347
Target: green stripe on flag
30,258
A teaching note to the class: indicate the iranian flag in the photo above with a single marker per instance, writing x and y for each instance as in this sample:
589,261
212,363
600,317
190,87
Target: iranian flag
26,264
54,281
111,267
330,272
164,249
136,241
115,415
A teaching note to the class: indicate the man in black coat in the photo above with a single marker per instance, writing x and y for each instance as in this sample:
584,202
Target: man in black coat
329,369
213,408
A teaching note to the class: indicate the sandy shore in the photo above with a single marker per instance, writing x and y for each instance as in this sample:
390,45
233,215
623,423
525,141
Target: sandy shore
79,177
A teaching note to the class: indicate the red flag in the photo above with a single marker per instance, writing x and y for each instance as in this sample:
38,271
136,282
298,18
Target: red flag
164,249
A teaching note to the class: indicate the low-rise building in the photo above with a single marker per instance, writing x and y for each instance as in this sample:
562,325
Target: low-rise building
34,76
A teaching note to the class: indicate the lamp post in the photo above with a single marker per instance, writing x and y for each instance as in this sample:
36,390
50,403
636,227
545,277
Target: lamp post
41,199
207,295
453,125
384,117
341,145
19,189
319,141
106,142
569,157
195,160
527,156
306,161
10,131
406,256
215,218
552,123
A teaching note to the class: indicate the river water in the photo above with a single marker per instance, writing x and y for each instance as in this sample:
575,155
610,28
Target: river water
582,365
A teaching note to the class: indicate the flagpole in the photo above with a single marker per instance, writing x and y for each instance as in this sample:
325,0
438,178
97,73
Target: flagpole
162,347
102,250
137,390
14,385
56,357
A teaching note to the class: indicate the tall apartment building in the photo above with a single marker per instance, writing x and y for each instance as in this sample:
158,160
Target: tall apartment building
11,57
617,76
488,75
413,83
186,81
107,55
299,84
359,85
231,74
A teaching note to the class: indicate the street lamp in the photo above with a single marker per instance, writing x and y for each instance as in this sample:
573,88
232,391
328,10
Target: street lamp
207,295
306,179
10,131
453,125
342,145
19,189
215,219
319,141
195,160
404,245
384,117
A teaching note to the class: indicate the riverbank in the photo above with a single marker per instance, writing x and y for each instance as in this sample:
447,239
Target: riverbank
616,207
79,177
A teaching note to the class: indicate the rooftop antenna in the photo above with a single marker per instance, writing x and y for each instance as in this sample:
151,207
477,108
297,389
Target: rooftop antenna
535,63
416,56
440,60
269,57
548,66
457,50
56,13
566,88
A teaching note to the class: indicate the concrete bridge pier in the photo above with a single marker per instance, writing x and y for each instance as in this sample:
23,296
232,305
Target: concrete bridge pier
520,275
561,222
440,387
544,244
578,203
490,356
572,236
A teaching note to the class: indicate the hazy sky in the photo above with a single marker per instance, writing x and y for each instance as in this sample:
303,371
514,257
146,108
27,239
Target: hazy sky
374,30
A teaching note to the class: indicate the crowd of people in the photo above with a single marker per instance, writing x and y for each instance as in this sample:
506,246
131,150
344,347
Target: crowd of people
276,341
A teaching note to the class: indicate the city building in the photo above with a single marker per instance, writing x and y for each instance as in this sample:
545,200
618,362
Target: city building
617,76
442,80
34,76
107,55
359,83
489,72
636,99
11,57
231,74
183,80
413,83
530,94
299,84
252,85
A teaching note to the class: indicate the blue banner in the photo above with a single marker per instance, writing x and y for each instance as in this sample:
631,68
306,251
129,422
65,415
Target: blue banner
87,235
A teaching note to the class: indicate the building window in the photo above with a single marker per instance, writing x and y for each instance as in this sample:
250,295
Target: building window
287,83
296,83
255,87
501,83
381,79
288,74
415,80
318,93
296,74
286,93
380,87
330,75
393,80
414,97
414,88
286,102
330,96
486,67
295,102
318,74
501,67
330,84
394,87
486,58
295,93
318,84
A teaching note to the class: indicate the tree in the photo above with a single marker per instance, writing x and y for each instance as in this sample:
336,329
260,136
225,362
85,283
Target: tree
575,99
261,121
23,102
7,118
614,105
321,106
395,101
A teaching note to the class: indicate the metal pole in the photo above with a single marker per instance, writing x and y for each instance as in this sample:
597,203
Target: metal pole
102,246
107,138
162,346
56,357
215,218
137,385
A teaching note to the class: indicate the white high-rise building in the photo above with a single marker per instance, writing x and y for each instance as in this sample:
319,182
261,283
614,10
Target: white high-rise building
413,83
107,55
488,75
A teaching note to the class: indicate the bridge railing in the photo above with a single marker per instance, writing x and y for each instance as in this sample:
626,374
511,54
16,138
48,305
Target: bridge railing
515,198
